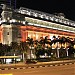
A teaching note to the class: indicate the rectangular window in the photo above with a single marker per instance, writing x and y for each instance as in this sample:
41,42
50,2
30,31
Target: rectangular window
7,33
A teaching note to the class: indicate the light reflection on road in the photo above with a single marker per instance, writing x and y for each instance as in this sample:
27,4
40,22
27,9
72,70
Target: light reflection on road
52,70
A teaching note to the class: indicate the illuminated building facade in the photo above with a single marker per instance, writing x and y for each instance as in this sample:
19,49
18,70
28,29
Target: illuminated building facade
18,24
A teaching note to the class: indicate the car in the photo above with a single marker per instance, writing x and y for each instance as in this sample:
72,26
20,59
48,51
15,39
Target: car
29,61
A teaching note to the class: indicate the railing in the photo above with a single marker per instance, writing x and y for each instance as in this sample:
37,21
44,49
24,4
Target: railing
3,58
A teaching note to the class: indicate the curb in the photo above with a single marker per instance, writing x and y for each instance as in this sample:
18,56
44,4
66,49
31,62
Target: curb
35,66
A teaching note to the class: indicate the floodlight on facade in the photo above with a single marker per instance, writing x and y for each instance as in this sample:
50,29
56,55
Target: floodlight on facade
68,22
30,24
56,20
24,22
60,20
52,18
0,22
4,20
29,13
35,14
12,21
41,16
71,24
74,24
47,17
22,12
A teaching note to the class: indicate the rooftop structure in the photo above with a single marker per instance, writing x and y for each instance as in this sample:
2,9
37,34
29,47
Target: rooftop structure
59,18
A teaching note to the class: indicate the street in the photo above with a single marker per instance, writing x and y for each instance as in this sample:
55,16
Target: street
52,70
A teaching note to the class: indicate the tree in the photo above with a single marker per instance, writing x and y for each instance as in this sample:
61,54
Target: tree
30,41
14,48
41,41
7,49
39,50
48,51
4,49
1,50
31,44
24,48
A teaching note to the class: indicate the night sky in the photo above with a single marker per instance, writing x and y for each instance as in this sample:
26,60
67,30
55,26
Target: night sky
51,6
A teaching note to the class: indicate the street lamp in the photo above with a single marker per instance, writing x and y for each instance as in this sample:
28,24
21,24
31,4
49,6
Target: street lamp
31,52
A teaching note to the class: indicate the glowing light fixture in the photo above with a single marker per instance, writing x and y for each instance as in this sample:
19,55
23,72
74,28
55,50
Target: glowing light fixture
23,22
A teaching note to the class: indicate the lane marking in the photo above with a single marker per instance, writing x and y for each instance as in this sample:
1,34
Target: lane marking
6,74
31,72
61,64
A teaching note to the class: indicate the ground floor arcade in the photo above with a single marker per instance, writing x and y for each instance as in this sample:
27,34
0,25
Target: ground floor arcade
37,32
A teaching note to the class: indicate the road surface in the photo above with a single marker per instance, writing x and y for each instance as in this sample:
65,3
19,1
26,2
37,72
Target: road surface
52,70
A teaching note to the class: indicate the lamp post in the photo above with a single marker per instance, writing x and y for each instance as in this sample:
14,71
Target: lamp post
58,50
67,51
31,48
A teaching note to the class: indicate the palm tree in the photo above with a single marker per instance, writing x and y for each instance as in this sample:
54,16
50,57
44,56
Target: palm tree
39,50
31,44
71,47
14,49
54,43
65,43
24,48
58,44
14,46
41,41
7,49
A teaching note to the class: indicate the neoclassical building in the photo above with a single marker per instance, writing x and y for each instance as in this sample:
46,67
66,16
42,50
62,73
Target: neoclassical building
16,25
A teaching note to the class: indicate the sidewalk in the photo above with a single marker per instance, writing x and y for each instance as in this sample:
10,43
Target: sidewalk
22,64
